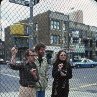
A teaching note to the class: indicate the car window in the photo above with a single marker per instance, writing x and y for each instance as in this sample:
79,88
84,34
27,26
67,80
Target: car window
78,60
85,61
90,61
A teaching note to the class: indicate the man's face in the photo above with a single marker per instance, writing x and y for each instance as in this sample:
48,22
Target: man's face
41,52
32,56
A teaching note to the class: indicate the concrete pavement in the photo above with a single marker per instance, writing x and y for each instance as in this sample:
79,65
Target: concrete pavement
73,93
48,93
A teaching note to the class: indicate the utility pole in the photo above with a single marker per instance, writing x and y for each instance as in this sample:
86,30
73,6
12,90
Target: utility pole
63,39
30,27
68,39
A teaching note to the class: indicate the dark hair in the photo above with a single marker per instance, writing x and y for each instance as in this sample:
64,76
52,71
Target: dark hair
27,52
58,54
38,46
57,60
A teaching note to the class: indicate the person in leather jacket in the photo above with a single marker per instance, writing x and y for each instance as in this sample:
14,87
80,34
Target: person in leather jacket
61,73
28,72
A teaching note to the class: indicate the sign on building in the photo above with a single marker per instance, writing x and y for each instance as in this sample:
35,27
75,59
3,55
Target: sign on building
24,2
17,29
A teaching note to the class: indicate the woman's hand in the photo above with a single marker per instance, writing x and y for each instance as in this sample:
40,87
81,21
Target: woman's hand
60,66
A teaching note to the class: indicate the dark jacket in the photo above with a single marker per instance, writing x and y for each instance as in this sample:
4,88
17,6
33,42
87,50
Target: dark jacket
60,86
26,78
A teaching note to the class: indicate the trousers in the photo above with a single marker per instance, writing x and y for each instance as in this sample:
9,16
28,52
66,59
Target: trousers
27,92
40,94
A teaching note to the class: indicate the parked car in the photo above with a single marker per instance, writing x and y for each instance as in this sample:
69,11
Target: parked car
19,62
84,63
2,61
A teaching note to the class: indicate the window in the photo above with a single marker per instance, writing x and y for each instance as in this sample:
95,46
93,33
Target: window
27,30
86,53
96,43
84,34
36,27
75,40
91,43
96,53
34,39
21,41
75,34
55,24
85,43
55,39
64,27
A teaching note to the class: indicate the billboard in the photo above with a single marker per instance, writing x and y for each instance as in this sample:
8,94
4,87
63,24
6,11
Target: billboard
17,29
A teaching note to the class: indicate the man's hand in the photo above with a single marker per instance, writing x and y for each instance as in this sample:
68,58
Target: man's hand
14,50
34,72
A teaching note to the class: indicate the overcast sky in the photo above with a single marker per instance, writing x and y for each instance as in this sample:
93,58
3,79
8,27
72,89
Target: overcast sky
11,13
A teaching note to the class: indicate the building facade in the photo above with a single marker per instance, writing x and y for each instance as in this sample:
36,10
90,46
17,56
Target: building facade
76,16
2,49
56,29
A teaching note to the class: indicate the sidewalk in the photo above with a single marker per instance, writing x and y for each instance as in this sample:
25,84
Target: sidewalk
74,93
48,93
82,94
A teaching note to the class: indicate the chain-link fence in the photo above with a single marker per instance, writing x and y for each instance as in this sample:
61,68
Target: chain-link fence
68,25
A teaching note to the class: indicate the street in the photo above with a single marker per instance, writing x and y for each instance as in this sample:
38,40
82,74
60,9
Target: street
83,83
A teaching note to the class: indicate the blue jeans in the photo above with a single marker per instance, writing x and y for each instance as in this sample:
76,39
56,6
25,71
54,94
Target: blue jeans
40,94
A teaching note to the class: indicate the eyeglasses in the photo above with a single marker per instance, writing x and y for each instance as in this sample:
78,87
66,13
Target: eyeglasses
32,55
63,55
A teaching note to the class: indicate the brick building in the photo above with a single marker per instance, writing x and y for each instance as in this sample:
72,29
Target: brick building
56,29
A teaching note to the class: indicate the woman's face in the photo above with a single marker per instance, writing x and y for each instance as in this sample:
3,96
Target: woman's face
62,56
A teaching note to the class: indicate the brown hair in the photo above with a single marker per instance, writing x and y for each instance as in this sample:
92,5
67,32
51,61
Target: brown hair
57,60
58,54
27,52
38,46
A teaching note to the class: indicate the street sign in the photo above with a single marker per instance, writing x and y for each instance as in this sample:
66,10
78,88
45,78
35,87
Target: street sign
24,2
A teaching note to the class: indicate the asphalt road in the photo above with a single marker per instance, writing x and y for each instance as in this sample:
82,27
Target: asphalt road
83,83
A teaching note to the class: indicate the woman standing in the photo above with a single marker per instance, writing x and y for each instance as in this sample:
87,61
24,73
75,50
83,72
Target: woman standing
61,73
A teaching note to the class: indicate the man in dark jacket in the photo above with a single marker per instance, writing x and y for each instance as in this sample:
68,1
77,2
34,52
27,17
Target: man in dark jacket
28,72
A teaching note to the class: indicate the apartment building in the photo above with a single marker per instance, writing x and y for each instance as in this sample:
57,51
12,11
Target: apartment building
76,16
57,30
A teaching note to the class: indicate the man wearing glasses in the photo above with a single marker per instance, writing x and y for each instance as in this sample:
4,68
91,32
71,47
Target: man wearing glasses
28,72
